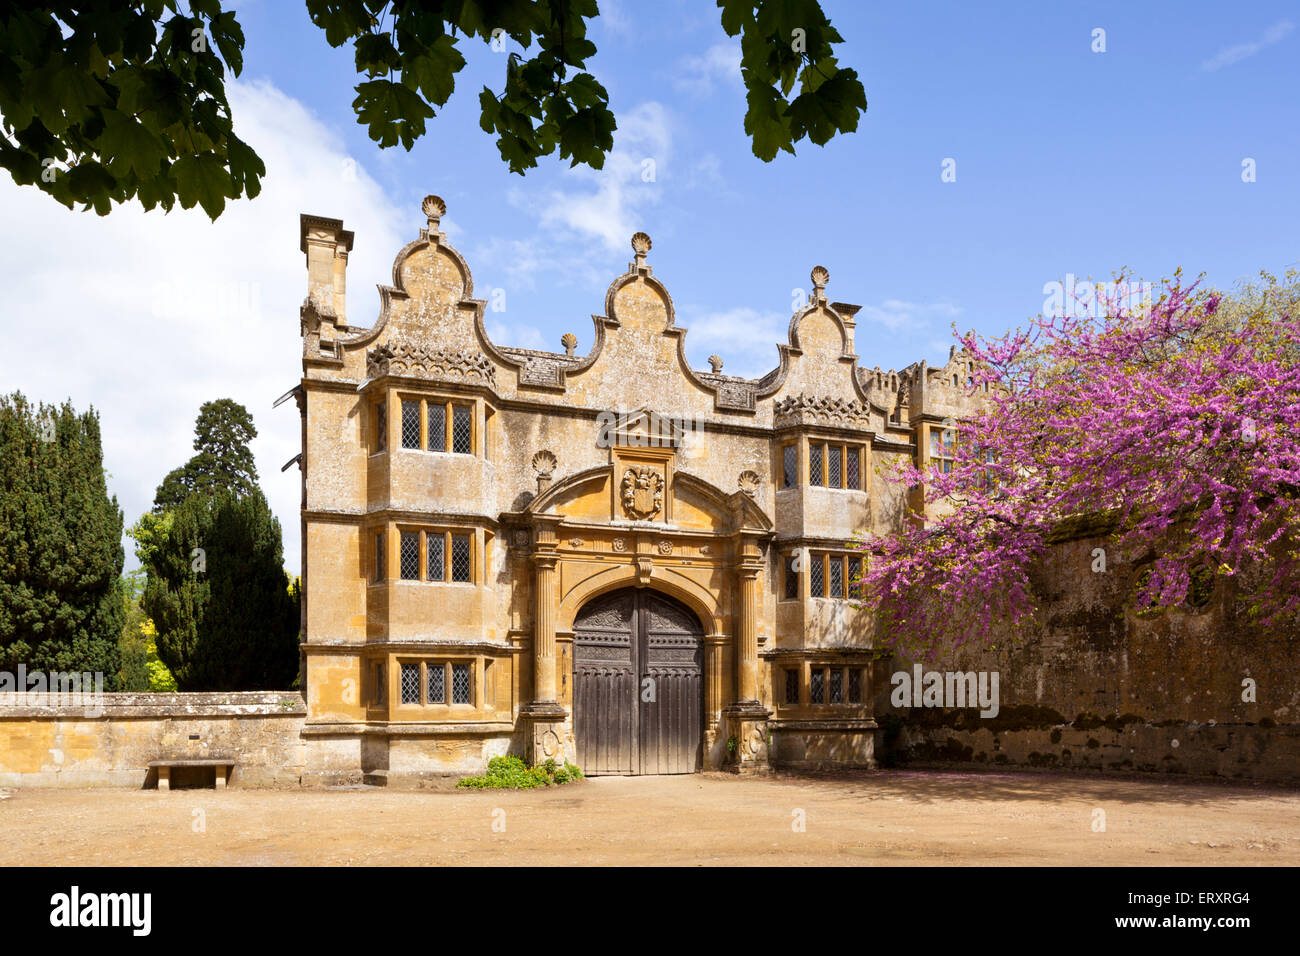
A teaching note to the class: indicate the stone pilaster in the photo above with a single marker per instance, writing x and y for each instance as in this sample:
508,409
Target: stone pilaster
544,595
746,719
544,715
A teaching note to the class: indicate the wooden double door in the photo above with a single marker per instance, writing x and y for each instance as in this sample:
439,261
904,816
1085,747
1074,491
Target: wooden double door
638,689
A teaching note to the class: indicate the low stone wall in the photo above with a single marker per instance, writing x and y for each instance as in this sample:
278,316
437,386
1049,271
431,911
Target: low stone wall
49,742
1265,752
1196,690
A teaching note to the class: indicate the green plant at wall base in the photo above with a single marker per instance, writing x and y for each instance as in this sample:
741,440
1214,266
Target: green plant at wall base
732,744
511,773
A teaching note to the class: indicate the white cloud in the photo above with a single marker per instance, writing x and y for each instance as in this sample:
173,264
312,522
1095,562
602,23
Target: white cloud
1241,51
146,316
744,338
615,19
897,314
519,336
609,203
700,75
522,261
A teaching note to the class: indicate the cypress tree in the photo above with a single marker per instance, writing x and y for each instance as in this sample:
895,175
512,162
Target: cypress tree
217,591
61,602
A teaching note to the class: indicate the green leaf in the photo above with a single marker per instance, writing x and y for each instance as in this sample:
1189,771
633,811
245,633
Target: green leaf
126,145
202,179
832,107
587,136
766,122
434,72
376,55
736,14
392,112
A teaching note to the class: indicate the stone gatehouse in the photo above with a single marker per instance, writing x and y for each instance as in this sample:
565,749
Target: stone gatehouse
605,556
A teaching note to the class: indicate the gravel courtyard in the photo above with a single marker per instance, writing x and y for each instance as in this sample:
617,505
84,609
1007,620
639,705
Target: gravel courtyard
886,817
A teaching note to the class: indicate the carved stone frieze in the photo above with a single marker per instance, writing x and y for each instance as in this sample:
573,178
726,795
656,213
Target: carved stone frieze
422,360
831,412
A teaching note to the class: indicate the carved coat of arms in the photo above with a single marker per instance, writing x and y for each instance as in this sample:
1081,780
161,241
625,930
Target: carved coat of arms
643,492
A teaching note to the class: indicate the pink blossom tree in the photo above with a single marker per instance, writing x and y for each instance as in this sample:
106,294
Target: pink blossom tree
1176,427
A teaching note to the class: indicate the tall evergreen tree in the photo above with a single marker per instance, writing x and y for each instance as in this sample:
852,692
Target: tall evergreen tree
217,593
61,602
222,459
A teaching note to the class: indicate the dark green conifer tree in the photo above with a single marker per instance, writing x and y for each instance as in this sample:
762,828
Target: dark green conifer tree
61,601
218,593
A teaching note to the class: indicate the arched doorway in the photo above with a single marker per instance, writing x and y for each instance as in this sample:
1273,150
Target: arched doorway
638,704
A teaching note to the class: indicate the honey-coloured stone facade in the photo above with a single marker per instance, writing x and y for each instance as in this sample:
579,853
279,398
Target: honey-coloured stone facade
463,501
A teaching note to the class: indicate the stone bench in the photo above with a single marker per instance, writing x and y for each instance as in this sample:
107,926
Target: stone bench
221,766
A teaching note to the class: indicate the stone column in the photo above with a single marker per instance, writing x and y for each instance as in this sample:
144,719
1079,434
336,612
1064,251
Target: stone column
544,716
747,637
746,718
544,596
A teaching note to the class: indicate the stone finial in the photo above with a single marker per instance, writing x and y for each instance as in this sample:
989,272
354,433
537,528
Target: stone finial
570,342
819,278
640,246
434,208
715,362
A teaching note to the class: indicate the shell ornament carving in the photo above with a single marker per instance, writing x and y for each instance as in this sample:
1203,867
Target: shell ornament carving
642,492
434,209
544,463
749,482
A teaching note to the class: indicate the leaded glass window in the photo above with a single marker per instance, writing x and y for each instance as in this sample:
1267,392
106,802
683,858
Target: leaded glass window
790,466
410,683
461,429
817,686
437,677
792,686
435,558
437,427
460,557
410,556
460,689
410,424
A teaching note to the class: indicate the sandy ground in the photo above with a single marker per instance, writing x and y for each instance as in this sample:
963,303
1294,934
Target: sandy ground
888,817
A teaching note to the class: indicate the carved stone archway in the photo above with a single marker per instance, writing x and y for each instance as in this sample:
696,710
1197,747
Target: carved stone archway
569,570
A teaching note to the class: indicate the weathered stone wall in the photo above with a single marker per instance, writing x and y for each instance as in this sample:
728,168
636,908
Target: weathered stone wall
48,743
1097,686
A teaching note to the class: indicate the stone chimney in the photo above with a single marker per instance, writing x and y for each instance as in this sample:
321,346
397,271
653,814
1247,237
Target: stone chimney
326,244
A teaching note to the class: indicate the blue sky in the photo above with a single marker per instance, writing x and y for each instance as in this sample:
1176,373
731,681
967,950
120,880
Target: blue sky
1067,161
